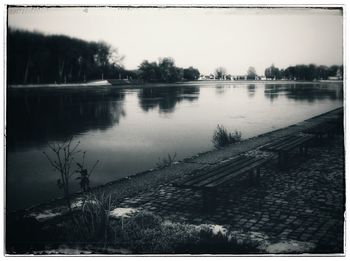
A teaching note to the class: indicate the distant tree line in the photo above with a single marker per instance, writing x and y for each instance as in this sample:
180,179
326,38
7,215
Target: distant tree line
304,72
220,73
166,71
37,58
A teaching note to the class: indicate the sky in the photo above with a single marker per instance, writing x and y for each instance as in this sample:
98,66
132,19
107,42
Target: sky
205,38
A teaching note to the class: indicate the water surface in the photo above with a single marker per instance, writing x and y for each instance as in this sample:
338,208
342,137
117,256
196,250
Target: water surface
128,130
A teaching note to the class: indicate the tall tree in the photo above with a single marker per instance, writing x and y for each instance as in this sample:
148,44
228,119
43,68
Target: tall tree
149,72
220,73
168,71
37,58
308,72
273,72
251,74
191,74
163,71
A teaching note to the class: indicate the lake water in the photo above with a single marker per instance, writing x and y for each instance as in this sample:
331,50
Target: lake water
128,130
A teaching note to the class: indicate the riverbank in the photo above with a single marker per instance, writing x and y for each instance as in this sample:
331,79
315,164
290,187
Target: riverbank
143,180
152,191
105,83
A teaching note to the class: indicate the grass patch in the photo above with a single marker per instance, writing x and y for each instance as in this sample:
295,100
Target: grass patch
222,137
92,220
146,233
166,161
93,228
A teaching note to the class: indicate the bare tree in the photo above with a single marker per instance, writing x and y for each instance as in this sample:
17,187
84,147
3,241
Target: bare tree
84,179
62,160
220,72
115,58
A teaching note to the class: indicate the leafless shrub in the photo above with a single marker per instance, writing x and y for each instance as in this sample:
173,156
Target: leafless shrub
61,161
166,161
64,155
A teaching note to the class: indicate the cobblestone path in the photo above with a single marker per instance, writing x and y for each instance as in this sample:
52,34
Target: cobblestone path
304,203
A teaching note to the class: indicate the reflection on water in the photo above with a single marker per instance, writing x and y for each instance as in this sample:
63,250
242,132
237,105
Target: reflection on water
303,92
251,90
166,98
129,129
38,116
221,88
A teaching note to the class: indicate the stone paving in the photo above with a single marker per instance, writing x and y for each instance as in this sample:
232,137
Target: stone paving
304,203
